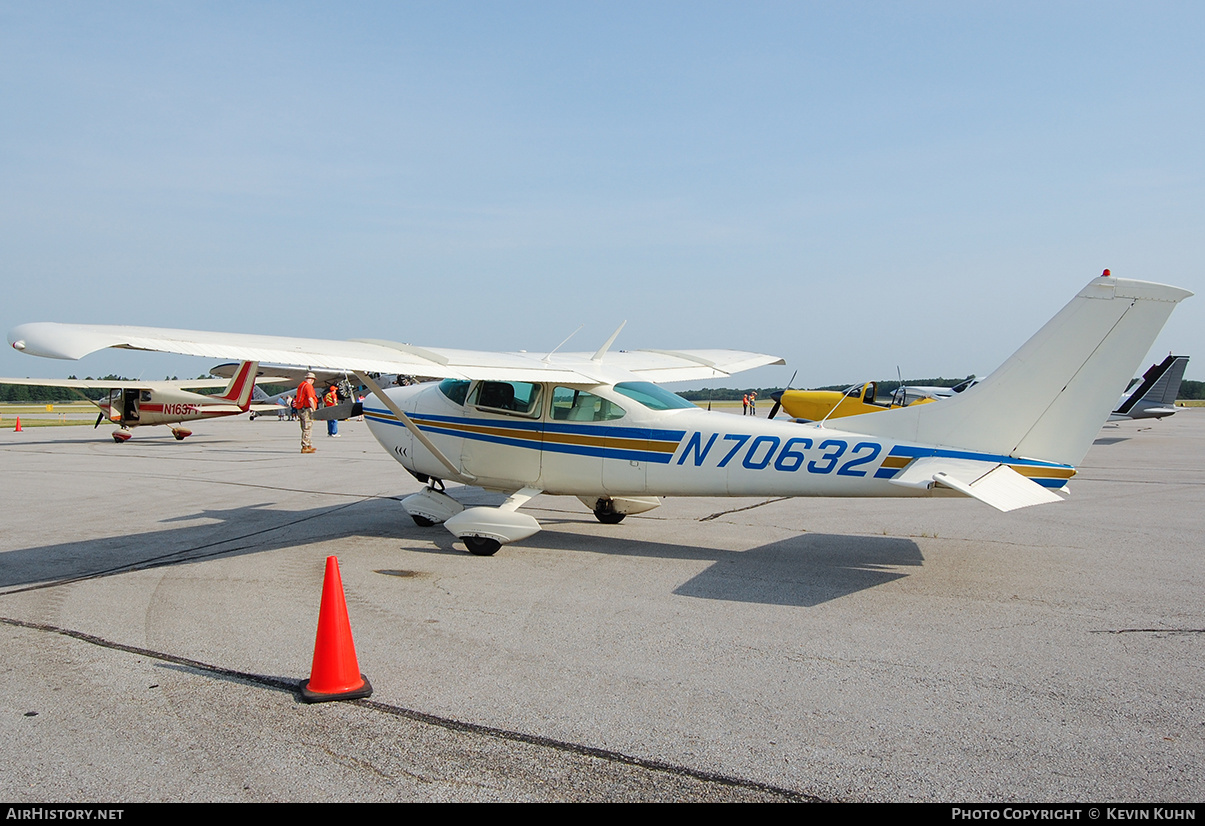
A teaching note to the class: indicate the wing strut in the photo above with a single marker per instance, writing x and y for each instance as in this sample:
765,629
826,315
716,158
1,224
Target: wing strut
412,427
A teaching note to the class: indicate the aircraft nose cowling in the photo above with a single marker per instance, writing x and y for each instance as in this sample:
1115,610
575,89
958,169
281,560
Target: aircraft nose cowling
50,340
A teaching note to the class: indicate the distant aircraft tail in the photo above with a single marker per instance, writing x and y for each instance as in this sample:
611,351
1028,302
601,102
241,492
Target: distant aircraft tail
1156,395
1049,399
238,392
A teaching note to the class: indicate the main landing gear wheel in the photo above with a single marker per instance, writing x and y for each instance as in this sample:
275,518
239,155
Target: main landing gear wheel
481,546
609,517
421,521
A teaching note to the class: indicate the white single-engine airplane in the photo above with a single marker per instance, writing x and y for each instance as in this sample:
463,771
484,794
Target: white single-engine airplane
131,404
596,426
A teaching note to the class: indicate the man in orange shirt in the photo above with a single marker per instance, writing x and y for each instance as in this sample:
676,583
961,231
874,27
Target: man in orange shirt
306,402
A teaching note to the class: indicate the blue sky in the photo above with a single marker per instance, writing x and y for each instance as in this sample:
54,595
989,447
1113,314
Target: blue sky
853,186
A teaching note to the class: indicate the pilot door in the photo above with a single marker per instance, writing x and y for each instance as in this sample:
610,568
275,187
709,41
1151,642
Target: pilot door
505,431
123,406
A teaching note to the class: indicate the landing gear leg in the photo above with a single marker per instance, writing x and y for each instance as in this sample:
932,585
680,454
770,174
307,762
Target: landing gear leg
484,530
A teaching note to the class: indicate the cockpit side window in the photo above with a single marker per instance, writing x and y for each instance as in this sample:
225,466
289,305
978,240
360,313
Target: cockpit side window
517,398
572,405
872,395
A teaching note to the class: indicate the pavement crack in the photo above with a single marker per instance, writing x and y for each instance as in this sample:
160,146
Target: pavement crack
1149,631
718,514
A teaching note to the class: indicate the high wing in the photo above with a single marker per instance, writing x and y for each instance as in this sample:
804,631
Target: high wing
116,384
72,341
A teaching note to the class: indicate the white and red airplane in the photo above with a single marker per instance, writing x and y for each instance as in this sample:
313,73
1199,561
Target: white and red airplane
131,404
597,426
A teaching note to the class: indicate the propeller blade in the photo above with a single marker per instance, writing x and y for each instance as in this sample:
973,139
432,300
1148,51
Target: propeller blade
100,418
777,397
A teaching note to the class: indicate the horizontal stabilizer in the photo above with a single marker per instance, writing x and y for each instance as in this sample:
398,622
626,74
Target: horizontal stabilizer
995,484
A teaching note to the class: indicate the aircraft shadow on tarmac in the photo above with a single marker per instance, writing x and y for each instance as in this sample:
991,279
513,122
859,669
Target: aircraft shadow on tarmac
804,570
236,531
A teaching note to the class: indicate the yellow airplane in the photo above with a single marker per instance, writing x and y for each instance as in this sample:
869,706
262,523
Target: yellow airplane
821,405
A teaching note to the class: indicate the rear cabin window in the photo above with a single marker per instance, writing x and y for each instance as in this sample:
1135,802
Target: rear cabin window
570,405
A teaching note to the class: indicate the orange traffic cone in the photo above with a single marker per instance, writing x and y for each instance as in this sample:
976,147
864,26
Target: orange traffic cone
17,429
335,674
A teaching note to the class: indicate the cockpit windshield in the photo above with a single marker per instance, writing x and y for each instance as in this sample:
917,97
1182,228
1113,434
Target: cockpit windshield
652,396
455,389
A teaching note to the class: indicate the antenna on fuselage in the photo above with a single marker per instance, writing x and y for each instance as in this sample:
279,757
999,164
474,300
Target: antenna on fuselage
548,357
607,344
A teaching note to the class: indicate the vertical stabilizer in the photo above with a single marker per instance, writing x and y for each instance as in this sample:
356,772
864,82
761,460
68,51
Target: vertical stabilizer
1049,399
241,384
1155,395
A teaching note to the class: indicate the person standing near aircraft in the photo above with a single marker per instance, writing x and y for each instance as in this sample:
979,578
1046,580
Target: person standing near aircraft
330,400
306,402
745,405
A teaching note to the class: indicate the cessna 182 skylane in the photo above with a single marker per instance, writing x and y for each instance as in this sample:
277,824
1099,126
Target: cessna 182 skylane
600,428
131,404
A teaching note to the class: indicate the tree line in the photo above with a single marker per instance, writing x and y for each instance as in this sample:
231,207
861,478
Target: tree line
1189,390
27,394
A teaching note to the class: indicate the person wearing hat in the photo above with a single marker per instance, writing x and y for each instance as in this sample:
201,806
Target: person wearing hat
306,402
330,400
